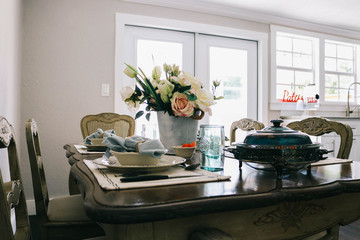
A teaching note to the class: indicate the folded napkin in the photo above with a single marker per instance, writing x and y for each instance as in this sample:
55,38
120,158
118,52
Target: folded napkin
97,134
150,147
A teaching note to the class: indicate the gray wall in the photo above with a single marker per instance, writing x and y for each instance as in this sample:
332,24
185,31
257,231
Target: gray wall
68,51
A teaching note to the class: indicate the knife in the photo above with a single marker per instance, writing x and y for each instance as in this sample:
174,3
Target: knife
152,177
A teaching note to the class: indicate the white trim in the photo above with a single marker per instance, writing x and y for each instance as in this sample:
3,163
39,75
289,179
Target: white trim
261,38
240,13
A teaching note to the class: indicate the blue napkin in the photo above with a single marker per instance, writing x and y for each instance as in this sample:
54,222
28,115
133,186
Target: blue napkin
150,147
99,131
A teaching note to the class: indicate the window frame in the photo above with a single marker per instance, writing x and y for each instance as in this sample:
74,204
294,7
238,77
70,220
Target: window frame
328,106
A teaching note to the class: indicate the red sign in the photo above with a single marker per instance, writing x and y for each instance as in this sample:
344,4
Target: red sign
311,100
291,97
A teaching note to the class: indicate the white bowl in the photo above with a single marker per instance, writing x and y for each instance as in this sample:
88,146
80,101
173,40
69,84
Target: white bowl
134,158
96,141
185,152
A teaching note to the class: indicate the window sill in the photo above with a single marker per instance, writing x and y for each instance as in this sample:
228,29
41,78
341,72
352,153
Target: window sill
331,109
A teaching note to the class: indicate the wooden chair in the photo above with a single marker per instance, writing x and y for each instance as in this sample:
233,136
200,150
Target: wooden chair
12,197
61,217
245,124
123,125
317,126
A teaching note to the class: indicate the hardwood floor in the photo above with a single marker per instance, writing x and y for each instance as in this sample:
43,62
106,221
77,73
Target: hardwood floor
350,232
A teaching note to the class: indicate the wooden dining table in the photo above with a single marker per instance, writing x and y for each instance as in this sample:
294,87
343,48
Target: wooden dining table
253,204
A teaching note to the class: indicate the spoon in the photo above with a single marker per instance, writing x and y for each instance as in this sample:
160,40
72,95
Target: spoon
192,166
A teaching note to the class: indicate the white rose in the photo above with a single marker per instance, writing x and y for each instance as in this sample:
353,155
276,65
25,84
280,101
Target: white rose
189,79
205,100
126,93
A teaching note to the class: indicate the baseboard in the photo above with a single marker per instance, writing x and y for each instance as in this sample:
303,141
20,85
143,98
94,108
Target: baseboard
31,207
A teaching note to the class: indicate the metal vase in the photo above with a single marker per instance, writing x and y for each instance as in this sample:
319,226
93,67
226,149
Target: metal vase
175,131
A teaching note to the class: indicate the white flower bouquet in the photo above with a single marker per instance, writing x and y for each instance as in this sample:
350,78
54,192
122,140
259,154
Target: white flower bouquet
178,94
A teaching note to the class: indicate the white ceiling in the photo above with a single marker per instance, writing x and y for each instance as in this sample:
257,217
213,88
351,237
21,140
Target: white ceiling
343,14
336,13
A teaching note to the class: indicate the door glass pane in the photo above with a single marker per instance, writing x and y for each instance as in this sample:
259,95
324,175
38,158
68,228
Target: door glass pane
149,54
229,66
159,51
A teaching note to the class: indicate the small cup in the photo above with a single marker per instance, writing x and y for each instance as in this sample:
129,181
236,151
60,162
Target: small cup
185,152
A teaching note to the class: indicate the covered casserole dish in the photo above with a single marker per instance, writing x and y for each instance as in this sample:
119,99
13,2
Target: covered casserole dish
278,148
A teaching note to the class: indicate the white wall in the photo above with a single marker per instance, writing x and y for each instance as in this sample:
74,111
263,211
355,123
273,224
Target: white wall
68,51
10,28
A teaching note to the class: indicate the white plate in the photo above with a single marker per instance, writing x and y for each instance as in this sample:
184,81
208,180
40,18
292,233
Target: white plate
166,162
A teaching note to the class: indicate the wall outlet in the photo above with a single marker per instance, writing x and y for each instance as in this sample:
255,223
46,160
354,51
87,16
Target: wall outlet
105,90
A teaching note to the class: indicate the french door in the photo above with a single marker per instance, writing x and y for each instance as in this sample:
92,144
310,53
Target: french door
229,60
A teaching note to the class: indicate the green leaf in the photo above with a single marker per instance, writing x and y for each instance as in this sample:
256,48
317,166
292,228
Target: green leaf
148,116
148,108
185,88
192,97
153,93
139,114
137,90
218,98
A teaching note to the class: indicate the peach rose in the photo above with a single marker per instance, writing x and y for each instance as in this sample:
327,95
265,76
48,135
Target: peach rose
181,106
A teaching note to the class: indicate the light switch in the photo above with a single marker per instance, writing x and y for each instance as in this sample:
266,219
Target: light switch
105,90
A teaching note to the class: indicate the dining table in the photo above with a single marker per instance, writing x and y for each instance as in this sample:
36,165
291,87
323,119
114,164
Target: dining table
250,204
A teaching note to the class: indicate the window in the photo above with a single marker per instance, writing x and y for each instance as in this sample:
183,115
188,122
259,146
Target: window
339,70
306,63
294,64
